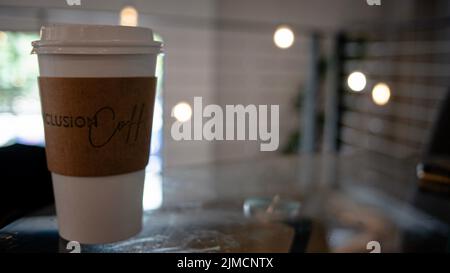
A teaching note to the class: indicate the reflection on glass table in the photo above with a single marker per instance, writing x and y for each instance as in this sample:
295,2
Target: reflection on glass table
359,203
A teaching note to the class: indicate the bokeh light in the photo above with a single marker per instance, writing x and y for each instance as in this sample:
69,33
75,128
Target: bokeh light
129,16
284,37
381,94
182,112
357,81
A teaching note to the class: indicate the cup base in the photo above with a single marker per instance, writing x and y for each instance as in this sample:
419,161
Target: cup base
99,210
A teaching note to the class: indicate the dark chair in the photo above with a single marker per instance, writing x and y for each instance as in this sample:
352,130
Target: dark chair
434,171
25,181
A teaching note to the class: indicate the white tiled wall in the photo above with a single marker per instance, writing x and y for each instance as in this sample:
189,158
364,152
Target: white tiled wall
224,65
251,70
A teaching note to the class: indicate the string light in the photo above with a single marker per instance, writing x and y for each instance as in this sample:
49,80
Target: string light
284,37
357,81
182,112
129,16
381,94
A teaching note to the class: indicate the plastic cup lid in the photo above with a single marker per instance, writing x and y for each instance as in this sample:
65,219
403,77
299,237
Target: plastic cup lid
95,39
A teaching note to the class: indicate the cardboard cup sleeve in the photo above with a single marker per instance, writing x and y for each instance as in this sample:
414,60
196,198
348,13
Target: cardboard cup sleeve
97,126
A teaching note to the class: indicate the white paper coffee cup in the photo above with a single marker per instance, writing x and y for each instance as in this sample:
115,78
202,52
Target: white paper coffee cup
105,209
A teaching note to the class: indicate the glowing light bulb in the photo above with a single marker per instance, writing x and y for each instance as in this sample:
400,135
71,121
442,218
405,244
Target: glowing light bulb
129,16
284,37
381,94
182,112
357,81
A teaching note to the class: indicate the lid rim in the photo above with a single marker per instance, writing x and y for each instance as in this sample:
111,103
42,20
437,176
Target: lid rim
97,50
110,43
96,39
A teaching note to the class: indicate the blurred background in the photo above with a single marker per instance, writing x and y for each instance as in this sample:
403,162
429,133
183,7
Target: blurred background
294,53
351,79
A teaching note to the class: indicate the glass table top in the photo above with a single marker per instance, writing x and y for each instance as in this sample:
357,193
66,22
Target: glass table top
321,203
